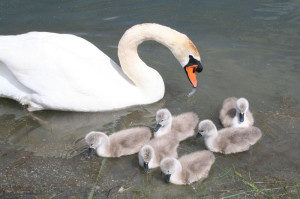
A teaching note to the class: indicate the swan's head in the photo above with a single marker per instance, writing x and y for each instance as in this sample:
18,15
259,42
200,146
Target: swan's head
191,68
169,166
145,156
93,139
163,119
188,56
206,128
242,106
181,46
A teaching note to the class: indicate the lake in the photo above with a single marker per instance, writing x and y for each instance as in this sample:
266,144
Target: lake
248,49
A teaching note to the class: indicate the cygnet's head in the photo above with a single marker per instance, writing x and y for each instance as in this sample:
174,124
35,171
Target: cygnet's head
206,128
163,118
242,106
145,155
169,166
93,139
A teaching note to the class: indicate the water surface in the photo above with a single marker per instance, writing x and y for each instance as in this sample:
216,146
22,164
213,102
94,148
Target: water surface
248,48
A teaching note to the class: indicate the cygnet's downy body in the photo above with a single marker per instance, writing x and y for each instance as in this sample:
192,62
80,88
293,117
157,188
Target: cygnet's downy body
158,148
228,140
181,126
121,143
235,113
188,168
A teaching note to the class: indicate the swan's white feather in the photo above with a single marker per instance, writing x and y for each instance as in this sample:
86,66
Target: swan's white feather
54,69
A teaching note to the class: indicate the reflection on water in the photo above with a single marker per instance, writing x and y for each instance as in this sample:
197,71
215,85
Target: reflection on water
248,49
61,134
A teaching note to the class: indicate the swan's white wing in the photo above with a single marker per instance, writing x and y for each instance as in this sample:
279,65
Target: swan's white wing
57,69
46,61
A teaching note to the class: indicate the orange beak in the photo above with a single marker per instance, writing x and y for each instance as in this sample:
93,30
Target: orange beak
191,73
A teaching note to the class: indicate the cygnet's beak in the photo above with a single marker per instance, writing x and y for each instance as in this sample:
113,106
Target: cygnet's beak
157,127
242,117
146,166
90,151
168,176
198,135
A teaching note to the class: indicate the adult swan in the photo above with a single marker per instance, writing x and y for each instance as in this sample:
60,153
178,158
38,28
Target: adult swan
65,72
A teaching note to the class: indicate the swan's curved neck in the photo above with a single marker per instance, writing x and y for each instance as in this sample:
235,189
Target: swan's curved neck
142,75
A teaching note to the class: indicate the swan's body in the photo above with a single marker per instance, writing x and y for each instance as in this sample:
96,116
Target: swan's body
235,113
64,72
189,168
153,152
228,140
181,126
124,142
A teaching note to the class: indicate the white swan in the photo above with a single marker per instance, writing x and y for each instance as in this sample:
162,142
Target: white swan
64,72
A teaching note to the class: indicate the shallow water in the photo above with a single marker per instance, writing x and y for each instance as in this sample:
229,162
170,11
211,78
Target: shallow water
248,48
